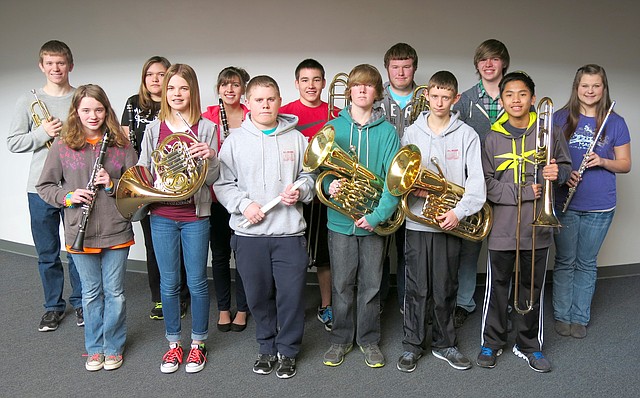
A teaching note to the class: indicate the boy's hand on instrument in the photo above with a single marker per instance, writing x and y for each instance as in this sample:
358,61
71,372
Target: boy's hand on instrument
550,171
420,193
537,190
52,127
334,187
364,224
448,220
290,197
253,213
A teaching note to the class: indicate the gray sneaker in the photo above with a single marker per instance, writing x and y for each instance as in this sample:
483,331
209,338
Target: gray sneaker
536,360
335,355
372,356
453,357
407,362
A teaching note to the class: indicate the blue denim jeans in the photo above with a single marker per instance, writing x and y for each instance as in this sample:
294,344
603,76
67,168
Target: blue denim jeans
194,236
575,269
467,274
356,261
45,229
102,276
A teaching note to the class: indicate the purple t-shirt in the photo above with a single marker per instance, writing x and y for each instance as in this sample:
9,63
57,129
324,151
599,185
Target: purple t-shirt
597,190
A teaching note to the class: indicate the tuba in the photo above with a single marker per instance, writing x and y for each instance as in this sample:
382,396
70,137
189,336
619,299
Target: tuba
406,175
419,102
360,192
337,92
180,176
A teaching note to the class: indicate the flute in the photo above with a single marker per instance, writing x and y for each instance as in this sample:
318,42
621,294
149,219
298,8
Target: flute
585,159
271,204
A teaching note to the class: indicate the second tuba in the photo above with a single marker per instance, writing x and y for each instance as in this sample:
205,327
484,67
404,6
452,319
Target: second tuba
406,174
362,189
180,176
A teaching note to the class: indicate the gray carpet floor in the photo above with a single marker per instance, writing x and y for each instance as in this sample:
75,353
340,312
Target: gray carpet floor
34,364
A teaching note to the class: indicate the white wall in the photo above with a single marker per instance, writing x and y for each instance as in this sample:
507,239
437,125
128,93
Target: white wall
111,40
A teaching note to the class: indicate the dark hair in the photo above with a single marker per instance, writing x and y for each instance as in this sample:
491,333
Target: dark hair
227,74
55,47
401,51
309,63
365,74
489,49
574,103
262,81
517,76
444,80
73,134
147,104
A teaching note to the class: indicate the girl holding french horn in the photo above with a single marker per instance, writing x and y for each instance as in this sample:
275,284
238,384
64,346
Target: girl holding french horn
181,217
93,151
600,147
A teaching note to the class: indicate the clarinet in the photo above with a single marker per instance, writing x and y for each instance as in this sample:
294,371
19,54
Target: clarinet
223,119
585,159
132,133
78,244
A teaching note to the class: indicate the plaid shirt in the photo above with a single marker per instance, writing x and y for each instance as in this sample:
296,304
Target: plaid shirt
490,105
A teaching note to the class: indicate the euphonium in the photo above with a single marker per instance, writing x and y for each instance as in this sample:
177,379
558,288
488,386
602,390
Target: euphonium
339,80
44,114
179,176
361,190
419,102
406,174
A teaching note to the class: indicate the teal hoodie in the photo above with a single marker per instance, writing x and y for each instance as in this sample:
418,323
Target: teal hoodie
375,143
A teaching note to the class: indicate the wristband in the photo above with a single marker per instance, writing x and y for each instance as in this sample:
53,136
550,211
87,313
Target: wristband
110,187
67,200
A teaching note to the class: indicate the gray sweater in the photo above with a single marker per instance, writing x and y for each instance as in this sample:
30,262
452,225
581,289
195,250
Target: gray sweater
457,150
473,113
255,167
25,137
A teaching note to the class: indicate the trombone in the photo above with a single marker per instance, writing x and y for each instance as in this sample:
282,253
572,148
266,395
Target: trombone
547,216
337,92
43,115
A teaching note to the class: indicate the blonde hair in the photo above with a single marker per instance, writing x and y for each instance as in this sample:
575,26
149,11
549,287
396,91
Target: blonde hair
188,74
73,132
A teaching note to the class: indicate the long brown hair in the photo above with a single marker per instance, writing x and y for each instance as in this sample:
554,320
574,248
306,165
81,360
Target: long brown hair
188,74
147,104
73,133
573,106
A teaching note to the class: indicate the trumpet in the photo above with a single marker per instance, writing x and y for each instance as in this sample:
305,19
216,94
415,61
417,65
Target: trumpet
361,191
419,102
44,114
585,159
339,81
547,216
406,175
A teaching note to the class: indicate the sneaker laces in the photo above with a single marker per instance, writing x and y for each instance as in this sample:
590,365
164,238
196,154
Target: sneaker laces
537,355
486,351
158,305
173,355
196,355
95,357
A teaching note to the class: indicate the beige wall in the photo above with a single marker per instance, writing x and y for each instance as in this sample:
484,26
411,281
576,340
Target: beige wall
111,40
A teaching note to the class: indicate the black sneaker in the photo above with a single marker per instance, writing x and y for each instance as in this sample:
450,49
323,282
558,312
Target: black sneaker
50,321
156,311
79,316
459,316
264,364
325,315
487,357
184,306
453,357
286,367
196,359
536,360
407,362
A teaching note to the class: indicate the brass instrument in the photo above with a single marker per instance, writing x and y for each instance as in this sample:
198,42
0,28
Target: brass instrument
406,175
585,159
547,216
180,176
78,244
44,114
361,189
339,81
419,102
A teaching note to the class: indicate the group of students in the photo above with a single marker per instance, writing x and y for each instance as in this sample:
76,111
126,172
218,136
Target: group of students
255,153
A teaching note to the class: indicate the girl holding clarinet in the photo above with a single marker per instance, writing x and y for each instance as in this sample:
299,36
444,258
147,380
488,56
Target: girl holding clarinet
588,116
94,151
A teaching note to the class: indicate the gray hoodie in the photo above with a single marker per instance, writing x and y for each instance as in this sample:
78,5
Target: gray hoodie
255,167
457,150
